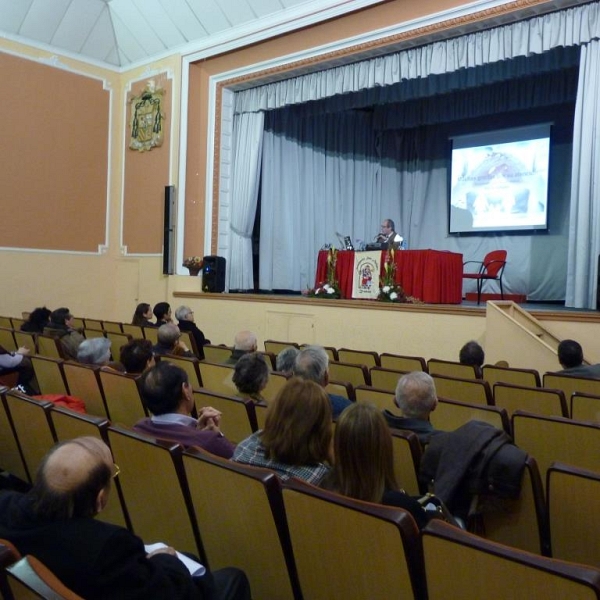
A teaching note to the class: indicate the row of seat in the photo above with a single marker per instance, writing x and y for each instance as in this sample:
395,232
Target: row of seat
289,540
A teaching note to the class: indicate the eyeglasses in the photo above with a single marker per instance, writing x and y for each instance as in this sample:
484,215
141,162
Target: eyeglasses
116,470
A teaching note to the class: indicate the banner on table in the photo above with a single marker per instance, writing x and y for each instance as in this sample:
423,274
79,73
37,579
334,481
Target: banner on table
365,279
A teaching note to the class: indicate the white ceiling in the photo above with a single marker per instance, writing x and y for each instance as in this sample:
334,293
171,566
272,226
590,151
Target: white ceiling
123,33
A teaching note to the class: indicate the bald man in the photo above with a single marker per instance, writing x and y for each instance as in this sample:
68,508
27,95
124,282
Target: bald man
244,342
55,523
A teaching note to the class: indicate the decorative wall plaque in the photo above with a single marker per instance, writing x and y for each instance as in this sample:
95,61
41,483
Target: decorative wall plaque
147,119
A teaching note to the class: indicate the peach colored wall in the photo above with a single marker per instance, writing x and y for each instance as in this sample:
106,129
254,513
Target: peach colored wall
146,175
54,158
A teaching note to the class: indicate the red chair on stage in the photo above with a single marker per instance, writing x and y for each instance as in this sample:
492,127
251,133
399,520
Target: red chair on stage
492,267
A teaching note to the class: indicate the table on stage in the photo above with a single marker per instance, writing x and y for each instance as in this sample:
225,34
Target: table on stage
433,276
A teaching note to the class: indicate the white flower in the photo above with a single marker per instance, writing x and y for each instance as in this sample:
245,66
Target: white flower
317,291
327,287
330,290
385,289
393,296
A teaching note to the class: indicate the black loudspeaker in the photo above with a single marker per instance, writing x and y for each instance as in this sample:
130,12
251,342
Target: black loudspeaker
213,274
169,231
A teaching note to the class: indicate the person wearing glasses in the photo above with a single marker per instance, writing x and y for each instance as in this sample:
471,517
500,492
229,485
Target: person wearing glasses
388,236
61,328
55,522
185,319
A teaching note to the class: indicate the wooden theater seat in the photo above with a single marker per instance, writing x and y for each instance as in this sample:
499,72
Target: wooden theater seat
83,381
351,373
359,357
49,374
539,401
385,379
381,398
122,396
451,414
11,459
451,368
526,377
474,391
403,363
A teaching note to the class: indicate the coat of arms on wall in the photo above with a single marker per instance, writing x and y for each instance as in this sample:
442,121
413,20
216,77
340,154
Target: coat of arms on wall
147,119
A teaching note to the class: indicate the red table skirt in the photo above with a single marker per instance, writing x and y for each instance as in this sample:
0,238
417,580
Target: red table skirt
433,276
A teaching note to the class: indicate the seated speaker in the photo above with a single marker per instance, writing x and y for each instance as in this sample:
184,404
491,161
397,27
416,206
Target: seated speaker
213,274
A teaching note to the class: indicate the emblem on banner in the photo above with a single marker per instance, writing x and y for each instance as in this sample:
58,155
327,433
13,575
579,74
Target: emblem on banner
146,119
366,274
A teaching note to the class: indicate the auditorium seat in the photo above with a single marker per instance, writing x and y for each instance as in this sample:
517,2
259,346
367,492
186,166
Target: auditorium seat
570,385
217,378
381,398
345,548
49,374
6,322
11,459
190,342
540,401
112,326
451,368
188,364
573,513
585,407
151,333
29,578
122,396
462,565
403,363
341,388
385,379
7,339
331,352
242,522
550,439
155,490
117,339
276,347
239,418
451,414
92,332
26,339
49,347
83,382
135,331
520,522
274,385
407,458
217,354
473,391
92,323
526,377
359,357
354,374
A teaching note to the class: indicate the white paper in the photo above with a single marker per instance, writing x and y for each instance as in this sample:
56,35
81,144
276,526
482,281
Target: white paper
195,568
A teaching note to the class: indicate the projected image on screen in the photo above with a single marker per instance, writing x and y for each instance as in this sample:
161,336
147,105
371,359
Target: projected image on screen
501,184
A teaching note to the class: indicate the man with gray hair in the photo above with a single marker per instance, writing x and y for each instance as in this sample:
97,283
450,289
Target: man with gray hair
169,342
285,361
244,342
95,351
416,398
312,363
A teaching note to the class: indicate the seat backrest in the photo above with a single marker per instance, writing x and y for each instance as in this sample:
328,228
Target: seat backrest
384,378
7,339
570,385
33,428
240,514
238,413
359,357
403,363
29,578
26,339
540,401
474,391
274,385
216,354
494,262
573,513
341,388
151,333
69,425
585,407
112,326
520,522
407,458
83,382
527,377
550,439
380,546
462,565
188,339
6,322
189,365
354,374
270,359
49,346
91,332
122,396
451,414
450,368
117,339
11,459
154,490
49,374
276,347
135,331
217,378
92,323
381,398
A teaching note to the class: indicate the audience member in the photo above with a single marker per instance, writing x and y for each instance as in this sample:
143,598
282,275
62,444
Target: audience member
570,357
95,351
296,440
162,312
137,356
169,342
168,395
285,361
251,376
364,461
472,354
142,315
37,320
185,318
61,328
244,342
312,363
416,398
18,362
97,560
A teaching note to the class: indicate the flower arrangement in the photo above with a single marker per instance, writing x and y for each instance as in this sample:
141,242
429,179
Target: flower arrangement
390,291
331,287
193,262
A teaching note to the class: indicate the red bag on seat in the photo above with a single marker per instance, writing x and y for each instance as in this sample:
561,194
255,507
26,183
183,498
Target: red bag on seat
70,402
